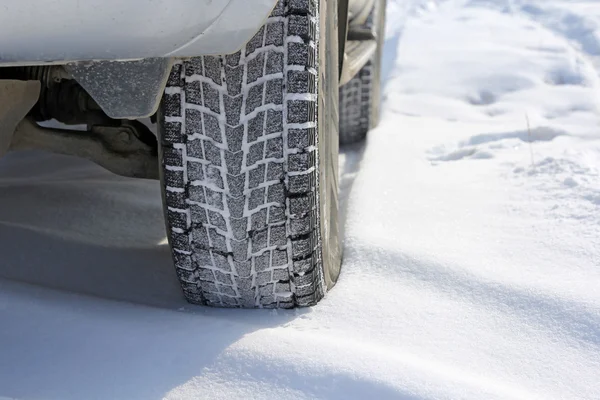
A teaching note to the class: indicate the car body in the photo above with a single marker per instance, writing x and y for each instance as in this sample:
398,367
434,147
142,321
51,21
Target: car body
62,31
115,40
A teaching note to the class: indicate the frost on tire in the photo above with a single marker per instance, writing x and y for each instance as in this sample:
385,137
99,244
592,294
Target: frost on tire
240,168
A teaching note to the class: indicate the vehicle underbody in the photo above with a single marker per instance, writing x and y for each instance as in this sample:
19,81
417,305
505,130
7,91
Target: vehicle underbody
104,101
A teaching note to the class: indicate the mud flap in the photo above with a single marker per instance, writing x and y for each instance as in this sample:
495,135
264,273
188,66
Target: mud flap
16,99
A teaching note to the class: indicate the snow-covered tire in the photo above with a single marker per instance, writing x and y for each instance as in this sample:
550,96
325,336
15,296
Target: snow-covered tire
360,97
249,173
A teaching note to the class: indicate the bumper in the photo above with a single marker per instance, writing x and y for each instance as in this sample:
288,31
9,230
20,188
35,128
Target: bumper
58,31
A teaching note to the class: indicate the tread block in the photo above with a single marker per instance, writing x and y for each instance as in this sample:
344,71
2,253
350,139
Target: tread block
235,136
194,171
276,214
300,82
274,92
211,97
299,111
236,206
256,127
274,121
175,79
172,132
255,97
274,62
234,77
193,93
212,152
277,235
279,258
239,226
212,128
233,107
202,258
198,214
217,241
195,193
172,157
299,25
194,148
180,241
299,184
176,199
261,262
221,262
256,176
184,261
276,194
275,171
200,237
172,105
177,219
236,184
212,68
263,278
255,153
255,42
255,69
213,176
274,148
214,198
258,220
259,241
274,35
173,178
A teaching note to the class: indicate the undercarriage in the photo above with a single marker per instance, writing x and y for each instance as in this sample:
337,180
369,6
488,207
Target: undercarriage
43,108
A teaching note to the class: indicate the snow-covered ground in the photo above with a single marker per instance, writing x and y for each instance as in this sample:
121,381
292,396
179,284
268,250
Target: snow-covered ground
472,252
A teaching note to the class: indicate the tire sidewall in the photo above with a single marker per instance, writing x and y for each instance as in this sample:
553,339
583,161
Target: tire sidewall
328,141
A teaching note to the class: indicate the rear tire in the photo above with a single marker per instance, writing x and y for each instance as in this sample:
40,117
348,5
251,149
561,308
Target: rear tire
361,96
249,173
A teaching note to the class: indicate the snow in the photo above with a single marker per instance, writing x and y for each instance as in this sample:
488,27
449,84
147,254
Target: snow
471,254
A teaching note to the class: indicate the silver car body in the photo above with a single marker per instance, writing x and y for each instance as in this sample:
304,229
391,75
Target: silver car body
61,31
146,36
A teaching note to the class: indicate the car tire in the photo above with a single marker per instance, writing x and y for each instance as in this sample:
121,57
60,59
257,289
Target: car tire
360,97
249,147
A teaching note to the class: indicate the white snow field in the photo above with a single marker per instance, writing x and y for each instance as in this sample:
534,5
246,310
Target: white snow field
472,250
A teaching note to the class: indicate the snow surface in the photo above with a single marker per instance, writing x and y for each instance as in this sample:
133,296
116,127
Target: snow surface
472,251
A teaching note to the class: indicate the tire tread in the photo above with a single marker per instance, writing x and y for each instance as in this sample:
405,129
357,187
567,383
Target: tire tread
359,97
240,168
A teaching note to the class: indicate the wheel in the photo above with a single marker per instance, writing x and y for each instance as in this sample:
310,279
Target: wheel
360,97
249,173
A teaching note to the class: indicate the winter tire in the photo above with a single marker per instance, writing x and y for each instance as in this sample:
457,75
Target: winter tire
249,146
360,97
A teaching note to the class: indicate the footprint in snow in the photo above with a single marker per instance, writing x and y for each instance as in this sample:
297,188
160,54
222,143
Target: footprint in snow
484,146
571,185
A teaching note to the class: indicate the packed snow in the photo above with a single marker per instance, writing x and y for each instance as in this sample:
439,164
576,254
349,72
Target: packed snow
472,249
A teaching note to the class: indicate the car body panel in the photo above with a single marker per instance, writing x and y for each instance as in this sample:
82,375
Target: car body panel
144,36
59,31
